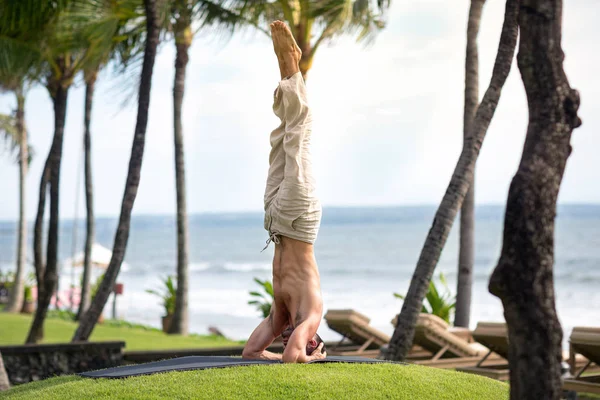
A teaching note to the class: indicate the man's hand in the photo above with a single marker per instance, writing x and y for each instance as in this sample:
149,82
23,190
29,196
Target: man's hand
317,354
295,351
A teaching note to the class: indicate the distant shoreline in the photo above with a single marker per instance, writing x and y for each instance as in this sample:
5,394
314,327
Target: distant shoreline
333,208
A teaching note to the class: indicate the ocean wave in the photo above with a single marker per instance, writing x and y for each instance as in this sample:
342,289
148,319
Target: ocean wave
246,267
200,268
573,276
195,267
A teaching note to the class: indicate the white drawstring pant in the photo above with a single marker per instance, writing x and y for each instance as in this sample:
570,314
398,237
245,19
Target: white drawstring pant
291,205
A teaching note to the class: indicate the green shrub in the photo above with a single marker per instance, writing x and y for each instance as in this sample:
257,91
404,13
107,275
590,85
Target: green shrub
263,301
437,303
95,286
65,315
168,294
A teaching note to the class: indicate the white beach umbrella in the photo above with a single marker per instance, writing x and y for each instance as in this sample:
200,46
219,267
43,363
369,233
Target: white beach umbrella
100,256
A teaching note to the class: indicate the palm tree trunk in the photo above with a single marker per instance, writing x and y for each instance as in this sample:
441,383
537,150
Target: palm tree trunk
467,213
89,195
306,59
523,278
179,324
457,189
16,298
305,63
50,278
38,235
4,382
89,319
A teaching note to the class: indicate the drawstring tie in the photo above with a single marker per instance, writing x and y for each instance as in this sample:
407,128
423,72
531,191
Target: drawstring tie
273,237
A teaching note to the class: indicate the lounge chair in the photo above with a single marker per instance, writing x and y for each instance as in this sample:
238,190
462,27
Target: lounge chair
446,347
584,342
431,333
435,344
494,336
355,326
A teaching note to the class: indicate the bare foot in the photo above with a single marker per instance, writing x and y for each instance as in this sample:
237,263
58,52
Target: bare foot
287,51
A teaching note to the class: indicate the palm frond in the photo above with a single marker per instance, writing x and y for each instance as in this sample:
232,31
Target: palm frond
64,37
19,62
29,16
322,20
8,131
260,12
98,30
363,18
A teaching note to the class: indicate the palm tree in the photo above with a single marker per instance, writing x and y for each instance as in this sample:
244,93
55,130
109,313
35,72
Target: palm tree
4,382
16,77
110,32
182,32
523,278
179,23
35,22
13,130
455,193
90,84
315,22
55,31
90,318
467,212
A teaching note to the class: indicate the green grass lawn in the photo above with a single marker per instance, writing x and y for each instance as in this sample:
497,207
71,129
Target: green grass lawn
321,381
14,329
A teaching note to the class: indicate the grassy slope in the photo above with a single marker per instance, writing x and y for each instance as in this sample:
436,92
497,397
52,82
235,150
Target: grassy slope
325,381
14,328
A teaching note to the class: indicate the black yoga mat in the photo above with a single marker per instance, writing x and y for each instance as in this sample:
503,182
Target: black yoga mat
201,362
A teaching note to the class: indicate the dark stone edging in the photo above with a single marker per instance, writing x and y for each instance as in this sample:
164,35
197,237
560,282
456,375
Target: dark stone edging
33,362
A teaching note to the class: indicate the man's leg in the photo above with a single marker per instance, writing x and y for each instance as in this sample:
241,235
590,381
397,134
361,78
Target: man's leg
287,51
288,66
296,210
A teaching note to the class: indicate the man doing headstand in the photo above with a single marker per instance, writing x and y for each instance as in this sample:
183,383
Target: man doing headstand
292,218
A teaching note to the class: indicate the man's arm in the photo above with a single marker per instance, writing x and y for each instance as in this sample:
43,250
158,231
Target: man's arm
261,338
295,351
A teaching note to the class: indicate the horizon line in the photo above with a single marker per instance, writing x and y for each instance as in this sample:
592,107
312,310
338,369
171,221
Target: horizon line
253,211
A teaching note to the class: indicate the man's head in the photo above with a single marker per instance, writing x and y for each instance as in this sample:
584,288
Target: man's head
310,346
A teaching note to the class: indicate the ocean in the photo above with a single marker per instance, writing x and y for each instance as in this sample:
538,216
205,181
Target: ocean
364,256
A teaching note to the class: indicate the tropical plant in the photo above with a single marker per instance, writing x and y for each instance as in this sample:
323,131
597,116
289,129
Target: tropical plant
30,280
28,294
262,301
314,23
437,303
28,305
167,294
466,254
65,315
404,332
90,318
94,287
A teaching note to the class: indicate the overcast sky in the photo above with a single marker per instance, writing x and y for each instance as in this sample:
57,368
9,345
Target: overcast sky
387,119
